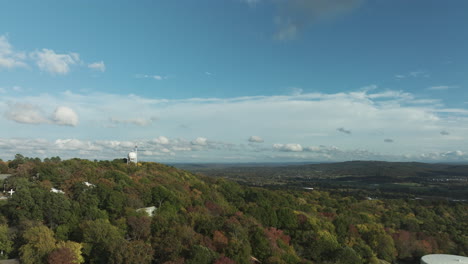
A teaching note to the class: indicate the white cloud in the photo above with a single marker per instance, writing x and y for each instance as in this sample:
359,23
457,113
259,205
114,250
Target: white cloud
8,57
46,59
440,87
98,66
179,150
65,116
162,140
75,144
306,119
288,147
256,139
49,61
155,77
295,91
200,141
26,114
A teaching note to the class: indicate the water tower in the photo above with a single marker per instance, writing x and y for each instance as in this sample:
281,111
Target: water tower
133,156
443,259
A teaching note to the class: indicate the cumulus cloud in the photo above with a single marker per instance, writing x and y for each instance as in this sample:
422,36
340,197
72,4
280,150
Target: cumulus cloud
302,119
456,154
26,113
162,140
181,150
65,116
256,139
200,141
295,15
343,130
49,61
288,147
9,58
75,144
46,59
98,66
388,140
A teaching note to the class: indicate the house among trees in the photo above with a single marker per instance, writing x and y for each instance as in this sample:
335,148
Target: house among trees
149,210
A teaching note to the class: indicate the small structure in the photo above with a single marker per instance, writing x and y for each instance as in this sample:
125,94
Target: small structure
88,184
149,210
56,190
133,156
443,259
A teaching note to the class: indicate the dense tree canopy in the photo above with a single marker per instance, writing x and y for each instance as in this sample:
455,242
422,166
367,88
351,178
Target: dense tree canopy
207,220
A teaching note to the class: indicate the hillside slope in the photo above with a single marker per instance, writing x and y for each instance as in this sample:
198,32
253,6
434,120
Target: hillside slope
207,220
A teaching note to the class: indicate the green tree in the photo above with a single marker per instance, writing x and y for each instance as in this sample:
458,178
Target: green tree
101,239
261,248
39,242
6,245
201,255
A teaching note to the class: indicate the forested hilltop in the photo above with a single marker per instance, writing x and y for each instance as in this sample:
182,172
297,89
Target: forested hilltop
80,211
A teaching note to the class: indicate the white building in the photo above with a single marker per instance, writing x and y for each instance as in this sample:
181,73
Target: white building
149,210
56,190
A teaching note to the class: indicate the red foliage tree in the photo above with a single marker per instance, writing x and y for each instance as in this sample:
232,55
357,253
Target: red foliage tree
61,256
220,240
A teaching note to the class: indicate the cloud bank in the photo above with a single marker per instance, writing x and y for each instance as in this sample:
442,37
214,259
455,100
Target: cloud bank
302,126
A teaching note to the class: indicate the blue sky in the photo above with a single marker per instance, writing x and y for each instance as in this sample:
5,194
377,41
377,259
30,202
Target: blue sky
235,80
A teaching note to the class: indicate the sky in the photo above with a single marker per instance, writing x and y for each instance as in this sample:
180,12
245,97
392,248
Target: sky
235,80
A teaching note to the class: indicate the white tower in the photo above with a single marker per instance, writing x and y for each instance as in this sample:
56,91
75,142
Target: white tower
133,156
443,259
